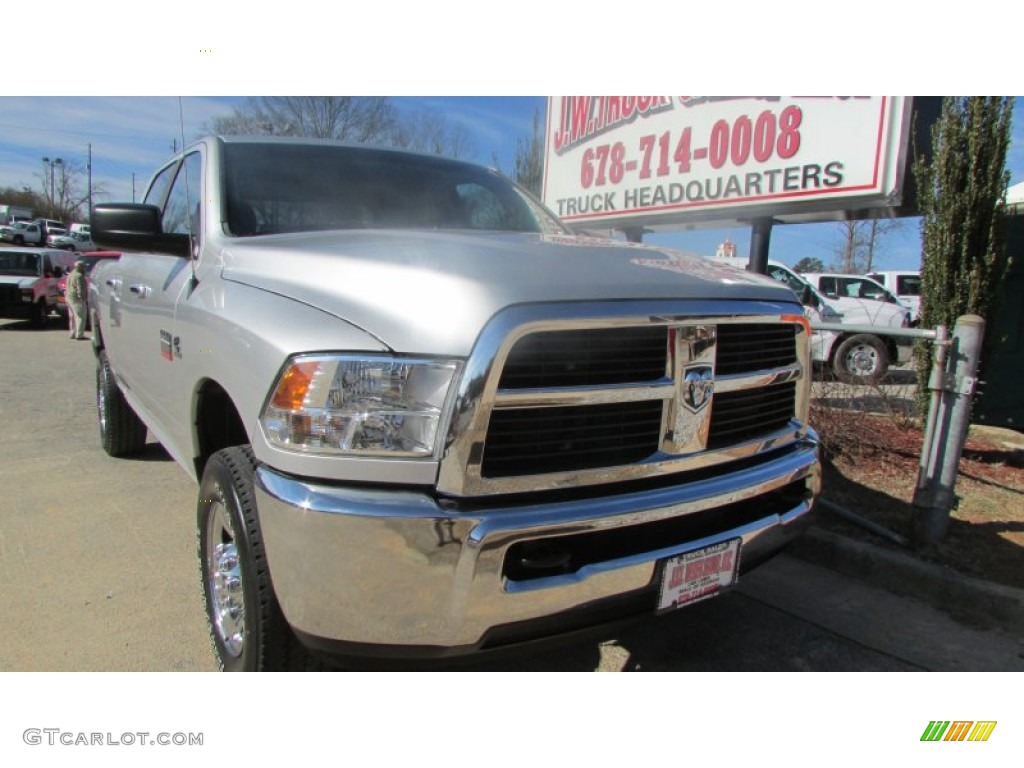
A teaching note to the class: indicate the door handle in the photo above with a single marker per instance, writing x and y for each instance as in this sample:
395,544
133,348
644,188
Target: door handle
114,282
141,290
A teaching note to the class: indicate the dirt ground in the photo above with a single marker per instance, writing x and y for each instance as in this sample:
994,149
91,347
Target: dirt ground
872,468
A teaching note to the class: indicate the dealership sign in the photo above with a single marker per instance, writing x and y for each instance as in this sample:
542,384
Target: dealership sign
616,161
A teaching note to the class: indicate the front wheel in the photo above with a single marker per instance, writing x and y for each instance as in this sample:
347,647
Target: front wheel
861,359
247,629
40,313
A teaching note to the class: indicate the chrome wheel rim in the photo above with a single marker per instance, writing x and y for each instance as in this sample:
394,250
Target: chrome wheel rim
224,582
101,403
862,360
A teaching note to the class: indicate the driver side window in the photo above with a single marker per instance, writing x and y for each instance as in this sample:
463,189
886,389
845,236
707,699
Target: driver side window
181,214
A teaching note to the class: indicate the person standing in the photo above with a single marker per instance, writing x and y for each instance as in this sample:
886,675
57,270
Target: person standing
74,292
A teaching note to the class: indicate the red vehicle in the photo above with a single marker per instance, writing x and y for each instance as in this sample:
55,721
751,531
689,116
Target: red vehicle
91,259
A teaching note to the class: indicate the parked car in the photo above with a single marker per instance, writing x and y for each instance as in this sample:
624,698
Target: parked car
837,285
91,259
858,358
23,233
28,281
849,291
72,241
906,285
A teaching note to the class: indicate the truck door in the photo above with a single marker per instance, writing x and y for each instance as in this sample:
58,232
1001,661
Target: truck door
151,286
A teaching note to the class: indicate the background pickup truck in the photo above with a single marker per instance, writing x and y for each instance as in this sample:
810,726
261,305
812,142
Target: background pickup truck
424,419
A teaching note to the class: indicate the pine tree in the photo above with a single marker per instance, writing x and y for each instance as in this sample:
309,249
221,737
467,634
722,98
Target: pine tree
962,190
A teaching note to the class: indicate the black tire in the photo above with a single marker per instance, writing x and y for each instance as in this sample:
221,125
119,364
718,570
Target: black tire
248,632
861,359
40,313
122,432
19,240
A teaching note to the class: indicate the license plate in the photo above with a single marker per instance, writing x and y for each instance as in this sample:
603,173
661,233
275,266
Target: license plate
699,574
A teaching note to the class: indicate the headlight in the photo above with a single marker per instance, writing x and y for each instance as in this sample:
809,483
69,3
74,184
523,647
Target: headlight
360,406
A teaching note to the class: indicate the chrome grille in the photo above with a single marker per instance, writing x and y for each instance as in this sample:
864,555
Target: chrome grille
10,294
578,399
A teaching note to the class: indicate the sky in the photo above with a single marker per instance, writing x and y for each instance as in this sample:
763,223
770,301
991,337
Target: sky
120,92
131,135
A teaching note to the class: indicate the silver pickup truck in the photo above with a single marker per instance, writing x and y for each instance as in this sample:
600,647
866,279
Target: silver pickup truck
425,420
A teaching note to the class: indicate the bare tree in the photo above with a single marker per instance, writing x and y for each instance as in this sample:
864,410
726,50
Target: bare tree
529,161
428,130
65,189
860,244
345,118
877,231
851,243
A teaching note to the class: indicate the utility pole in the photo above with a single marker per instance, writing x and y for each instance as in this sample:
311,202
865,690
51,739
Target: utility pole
51,163
90,181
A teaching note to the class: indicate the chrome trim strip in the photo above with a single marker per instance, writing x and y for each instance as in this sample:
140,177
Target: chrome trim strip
664,389
758,379
478,394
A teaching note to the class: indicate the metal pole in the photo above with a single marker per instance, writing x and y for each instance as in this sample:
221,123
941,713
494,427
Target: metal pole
935,384
760,239
634,234
934,502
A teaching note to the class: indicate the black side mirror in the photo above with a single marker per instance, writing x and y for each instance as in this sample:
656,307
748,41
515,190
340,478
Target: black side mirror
807,296
134,227
58,272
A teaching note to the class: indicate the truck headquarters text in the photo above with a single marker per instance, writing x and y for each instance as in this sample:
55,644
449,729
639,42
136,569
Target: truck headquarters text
797,178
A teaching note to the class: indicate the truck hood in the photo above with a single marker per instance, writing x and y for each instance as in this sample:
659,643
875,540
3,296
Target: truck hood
19,280
433,291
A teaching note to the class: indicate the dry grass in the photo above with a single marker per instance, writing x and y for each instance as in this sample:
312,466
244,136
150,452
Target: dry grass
872,446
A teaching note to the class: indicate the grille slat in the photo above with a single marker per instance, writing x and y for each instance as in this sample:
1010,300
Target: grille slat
747,347
587,357
536,441
747,415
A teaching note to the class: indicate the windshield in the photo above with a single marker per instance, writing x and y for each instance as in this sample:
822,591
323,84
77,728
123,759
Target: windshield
25,264
299,188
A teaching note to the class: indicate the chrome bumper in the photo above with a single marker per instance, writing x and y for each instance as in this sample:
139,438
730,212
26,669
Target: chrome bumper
399,568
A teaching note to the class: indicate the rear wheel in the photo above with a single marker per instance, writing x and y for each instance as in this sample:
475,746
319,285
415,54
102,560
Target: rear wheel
861,359
122,432
247,629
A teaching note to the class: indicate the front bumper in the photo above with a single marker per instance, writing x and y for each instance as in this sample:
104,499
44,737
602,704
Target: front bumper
370,571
